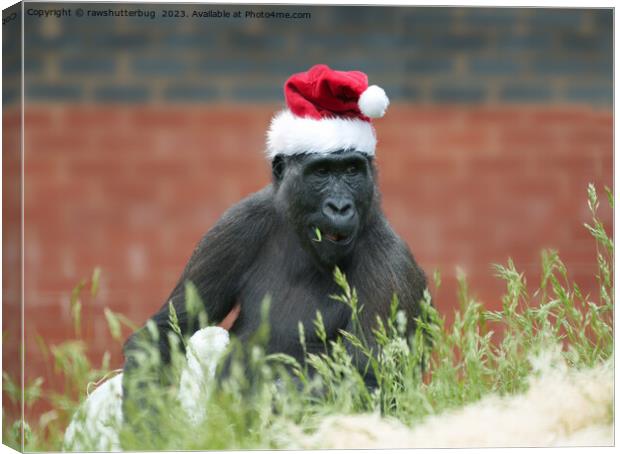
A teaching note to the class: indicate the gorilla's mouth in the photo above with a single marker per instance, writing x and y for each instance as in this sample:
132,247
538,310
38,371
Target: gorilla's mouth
332,236
335,237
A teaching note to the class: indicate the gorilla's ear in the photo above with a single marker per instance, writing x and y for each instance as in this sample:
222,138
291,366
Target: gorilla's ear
277,168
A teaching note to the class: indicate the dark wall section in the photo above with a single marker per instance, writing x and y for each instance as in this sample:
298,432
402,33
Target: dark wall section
426,55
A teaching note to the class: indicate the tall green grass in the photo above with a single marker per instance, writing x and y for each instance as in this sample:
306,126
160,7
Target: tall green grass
437,368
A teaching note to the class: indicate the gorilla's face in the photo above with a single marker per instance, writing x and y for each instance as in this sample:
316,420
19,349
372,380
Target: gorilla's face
326,198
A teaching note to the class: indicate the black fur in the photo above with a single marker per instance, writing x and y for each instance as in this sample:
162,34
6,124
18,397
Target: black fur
267,245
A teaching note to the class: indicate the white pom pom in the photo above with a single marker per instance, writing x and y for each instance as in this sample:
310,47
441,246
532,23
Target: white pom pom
373,102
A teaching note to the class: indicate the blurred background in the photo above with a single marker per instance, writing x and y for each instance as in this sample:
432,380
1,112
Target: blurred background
140,132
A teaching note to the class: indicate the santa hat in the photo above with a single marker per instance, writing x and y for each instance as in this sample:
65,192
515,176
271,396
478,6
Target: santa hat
327,111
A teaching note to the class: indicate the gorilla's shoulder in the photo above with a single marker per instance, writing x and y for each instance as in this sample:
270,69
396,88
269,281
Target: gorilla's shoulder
385,246
381,235
242,228
256,205
388,261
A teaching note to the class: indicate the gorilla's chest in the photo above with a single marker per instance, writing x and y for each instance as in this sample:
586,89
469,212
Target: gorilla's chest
295,291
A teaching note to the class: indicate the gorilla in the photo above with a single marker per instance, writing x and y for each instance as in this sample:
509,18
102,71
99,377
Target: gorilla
321,210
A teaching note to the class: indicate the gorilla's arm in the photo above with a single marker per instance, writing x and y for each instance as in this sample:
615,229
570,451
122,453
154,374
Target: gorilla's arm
216,267
387,269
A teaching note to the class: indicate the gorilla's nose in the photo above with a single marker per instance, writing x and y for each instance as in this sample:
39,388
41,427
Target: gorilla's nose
338,210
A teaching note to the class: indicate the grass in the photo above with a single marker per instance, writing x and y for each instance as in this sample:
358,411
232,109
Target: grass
480,353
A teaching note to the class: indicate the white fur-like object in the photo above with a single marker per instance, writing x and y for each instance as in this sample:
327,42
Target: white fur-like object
96,424
291,135
373,102
562,407
203,351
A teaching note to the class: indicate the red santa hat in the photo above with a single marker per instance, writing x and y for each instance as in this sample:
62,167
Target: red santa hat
327,111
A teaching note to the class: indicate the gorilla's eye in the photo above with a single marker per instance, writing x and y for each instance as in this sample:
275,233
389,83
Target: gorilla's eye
321,171
353,169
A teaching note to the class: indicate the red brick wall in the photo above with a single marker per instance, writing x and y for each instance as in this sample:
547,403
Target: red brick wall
11,263
132,189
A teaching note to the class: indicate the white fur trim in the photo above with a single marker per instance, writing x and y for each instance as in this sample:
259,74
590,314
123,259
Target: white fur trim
373,102
290,135
97,423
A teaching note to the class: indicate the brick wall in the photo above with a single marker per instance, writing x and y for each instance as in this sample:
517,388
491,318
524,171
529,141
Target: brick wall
132,189
140,133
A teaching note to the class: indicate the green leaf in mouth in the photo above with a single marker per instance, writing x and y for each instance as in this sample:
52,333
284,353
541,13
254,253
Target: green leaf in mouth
318,237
